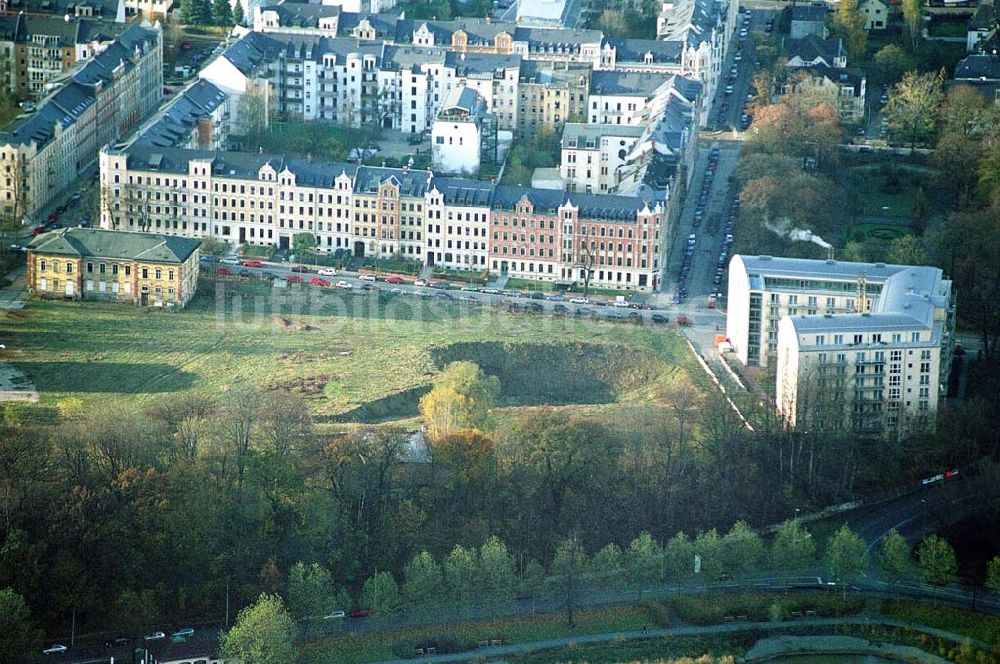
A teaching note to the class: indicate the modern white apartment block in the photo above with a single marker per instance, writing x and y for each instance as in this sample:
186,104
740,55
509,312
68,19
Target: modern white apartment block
855,346
593,156
459,131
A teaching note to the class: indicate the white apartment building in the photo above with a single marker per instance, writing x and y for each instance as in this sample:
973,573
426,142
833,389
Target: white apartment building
593,156
627,98
458,223
866,347
458,132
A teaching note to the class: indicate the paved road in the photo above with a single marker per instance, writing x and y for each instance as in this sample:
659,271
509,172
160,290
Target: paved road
550,304
728,628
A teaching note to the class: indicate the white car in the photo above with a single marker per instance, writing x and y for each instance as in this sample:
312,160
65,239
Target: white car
621,304
368,277
154,636
343,284
327,272
334,615
55,649
579,300
229,261
420,282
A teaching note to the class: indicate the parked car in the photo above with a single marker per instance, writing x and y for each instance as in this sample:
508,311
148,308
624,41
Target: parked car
52,650
683,320
360,613
711,302
327,272
621,304
229,261
556,298
224,272
579,300
420,282
659,318
154,636
294,279
299,268
344,284
444,296
334,615
440,285
316,281
491,291
368,277
183,633
414,139
559,310
253,263
393,280
52,217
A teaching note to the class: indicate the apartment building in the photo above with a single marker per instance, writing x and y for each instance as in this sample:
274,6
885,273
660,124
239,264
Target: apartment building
551,235
266,200
458,223
461,133
93,264
703,29
298,18
844,89
629,98
42,49
551,94
42,153
866,347
197,117
497,79
594,155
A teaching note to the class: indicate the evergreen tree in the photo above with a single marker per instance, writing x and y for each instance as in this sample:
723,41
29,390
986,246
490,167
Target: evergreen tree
238,16
222,13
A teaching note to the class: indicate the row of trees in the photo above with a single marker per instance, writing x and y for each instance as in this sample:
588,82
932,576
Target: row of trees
211,12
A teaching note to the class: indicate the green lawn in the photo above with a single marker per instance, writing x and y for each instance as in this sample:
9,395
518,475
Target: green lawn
339,351
885,232
876,202
322,141
967,623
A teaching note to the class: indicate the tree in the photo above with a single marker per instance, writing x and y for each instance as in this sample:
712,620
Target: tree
849,23
263,634
793,547
460,572
607,564
679,557
252,110
461,398
495,570
381,594
708,547
993,574
222,13
894,555
913,105
891,62
936,561
302,243
568,566
466,453
311,592
422,580
17,630
238,15
644,559
907,250
845,556
913,21
196,12
586,258
743,549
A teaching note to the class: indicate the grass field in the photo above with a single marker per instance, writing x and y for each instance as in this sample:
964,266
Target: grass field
339,351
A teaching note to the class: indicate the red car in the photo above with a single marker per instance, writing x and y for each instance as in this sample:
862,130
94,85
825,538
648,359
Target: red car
186,46
38,230
224,272
360,613
299,268
683,320
316,281
253,263
53,217
293,279
393,280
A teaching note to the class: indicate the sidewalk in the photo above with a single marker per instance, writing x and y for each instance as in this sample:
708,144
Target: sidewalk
728,628
15,295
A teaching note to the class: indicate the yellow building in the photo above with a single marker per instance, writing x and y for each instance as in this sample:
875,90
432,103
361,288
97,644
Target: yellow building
141,268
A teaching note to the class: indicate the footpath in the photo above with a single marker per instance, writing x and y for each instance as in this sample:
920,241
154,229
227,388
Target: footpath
769,647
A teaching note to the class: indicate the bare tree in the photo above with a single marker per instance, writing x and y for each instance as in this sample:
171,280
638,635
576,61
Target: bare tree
285,421
586,263
239,415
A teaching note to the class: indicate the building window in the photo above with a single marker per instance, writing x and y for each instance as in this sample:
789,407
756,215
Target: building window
145,273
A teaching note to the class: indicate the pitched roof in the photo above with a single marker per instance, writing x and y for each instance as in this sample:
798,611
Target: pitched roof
985,16
627,83
979,67
811,13
97,243
811,47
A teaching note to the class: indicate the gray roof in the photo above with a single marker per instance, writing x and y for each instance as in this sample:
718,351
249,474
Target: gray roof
691,22
815,13
107,9
985,16
175,122
839,75
579,134
97,243
469,64
465,100
636,50
411,57
978,68
627,83
812,46
302,14
592,206
463,191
